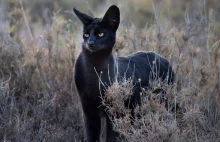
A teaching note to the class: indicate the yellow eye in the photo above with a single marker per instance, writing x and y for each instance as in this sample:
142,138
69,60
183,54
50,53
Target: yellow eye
100,34
86,35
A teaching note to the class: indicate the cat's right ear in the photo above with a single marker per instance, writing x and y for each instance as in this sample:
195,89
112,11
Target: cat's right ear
112,17
86,19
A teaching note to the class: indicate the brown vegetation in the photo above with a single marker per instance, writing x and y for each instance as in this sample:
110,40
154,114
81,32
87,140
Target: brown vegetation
38,47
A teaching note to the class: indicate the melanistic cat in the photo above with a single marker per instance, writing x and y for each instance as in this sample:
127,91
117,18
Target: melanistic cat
96,60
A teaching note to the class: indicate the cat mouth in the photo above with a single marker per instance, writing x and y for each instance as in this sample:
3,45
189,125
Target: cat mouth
89,48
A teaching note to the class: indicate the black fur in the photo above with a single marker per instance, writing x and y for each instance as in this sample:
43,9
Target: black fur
96,60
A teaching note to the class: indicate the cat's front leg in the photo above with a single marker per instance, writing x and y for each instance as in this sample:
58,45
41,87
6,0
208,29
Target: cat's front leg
92,119
112,135
93,126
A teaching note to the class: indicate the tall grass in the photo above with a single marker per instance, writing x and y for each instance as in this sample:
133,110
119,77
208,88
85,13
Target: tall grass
38,101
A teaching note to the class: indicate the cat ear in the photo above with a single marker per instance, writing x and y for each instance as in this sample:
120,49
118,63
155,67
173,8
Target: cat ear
112,17
86,19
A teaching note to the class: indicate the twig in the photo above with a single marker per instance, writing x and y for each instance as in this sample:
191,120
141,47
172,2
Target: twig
25,19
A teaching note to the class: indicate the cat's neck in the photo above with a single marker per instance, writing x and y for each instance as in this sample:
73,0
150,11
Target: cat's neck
99,60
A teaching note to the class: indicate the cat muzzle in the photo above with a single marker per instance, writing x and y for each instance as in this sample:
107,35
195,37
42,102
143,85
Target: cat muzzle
90,48
90,43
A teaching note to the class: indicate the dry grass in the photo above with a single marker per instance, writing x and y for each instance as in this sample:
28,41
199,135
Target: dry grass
38,101
193,111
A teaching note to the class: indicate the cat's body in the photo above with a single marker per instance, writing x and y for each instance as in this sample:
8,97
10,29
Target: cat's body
96,68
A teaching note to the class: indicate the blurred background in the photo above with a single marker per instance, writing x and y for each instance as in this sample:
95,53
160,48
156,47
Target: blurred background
40,41
138,12
164,14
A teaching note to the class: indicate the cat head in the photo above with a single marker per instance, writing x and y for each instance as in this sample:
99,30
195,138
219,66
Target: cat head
99,33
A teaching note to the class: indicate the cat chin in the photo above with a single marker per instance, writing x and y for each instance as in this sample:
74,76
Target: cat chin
91,50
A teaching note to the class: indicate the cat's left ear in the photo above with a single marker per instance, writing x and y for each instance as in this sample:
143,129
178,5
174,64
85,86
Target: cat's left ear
86,19
112,17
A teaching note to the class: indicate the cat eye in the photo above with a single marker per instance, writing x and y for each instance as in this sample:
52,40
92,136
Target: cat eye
86,35
101,34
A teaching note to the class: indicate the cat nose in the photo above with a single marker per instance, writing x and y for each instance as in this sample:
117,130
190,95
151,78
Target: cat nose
90,43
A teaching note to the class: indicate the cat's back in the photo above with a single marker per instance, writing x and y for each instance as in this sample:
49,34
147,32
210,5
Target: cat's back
142,58
138,59
142,55
136,65
140,64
